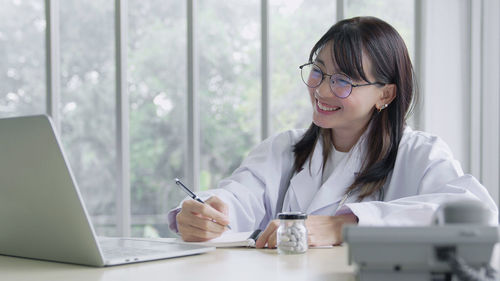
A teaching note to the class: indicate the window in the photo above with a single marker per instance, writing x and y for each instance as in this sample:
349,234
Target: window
295,26
229,85
157,90
87,104
22,57
229,71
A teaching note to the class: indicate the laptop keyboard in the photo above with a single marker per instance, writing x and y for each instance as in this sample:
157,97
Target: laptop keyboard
111,252
112,249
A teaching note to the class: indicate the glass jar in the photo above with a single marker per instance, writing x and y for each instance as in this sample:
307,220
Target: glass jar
292,233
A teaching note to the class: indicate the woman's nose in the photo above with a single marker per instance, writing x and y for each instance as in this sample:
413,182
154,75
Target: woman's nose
323,90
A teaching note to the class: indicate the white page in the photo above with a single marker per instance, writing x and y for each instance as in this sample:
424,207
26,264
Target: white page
226,240
229,239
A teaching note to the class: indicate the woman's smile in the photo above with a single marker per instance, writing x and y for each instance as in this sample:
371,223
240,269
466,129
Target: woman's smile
326,108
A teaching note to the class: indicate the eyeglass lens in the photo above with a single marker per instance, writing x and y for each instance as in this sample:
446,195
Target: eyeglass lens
340,84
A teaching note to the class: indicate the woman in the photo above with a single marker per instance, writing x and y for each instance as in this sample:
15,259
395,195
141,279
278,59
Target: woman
357,163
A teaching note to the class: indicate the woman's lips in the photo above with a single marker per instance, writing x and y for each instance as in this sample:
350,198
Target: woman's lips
326,107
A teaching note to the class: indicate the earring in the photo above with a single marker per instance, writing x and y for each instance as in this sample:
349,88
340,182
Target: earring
382,107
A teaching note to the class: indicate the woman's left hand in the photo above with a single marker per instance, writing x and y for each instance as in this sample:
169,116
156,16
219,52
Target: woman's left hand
322,230
327,230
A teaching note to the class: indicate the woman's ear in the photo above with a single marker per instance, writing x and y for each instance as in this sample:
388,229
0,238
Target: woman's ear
388,94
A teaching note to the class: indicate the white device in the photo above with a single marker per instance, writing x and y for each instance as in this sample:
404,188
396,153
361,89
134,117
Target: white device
42,215
416,253
458,244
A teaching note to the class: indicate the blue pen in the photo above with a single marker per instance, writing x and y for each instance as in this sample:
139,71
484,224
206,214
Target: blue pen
191,194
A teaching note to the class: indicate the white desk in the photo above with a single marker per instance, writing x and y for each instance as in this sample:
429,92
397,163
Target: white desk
221,264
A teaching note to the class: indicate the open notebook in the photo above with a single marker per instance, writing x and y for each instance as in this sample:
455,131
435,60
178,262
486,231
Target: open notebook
227,240
231,239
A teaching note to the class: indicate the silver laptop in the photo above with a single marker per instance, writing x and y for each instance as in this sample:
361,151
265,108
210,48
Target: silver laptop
42,215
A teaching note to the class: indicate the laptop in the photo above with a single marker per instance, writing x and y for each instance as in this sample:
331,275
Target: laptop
42,215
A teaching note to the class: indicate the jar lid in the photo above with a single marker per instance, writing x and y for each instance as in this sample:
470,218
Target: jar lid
292,216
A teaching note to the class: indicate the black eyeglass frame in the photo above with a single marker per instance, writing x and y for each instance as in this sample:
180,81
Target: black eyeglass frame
323,74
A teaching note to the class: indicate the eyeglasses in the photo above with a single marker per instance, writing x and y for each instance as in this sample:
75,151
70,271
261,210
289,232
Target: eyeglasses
340,84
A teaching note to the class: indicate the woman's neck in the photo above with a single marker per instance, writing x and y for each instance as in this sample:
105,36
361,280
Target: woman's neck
345,139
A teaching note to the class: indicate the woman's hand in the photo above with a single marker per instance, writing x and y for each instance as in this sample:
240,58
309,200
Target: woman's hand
198,222
268,236
322,231
327,230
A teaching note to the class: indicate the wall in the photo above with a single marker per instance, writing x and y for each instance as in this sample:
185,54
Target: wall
459,74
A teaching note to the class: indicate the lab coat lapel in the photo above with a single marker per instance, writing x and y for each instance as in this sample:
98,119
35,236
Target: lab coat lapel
333,190
305,183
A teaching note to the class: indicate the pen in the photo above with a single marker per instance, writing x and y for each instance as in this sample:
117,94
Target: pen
191,194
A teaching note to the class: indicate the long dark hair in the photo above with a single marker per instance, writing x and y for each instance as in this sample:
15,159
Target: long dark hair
391,65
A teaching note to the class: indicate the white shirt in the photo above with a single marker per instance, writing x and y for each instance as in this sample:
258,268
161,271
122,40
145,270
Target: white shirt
332,162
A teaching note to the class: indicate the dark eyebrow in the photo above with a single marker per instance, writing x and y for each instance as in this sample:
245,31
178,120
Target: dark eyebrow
320,61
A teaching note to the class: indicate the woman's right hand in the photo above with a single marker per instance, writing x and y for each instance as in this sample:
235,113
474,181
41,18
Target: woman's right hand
198,222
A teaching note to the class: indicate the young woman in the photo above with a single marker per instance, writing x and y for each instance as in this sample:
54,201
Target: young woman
358,162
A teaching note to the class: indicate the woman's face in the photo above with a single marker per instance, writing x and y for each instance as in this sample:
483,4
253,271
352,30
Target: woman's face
349,115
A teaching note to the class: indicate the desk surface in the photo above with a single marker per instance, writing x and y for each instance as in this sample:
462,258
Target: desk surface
221,264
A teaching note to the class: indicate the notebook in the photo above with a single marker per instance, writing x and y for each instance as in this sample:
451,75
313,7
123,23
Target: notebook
232,239
42,214
227,240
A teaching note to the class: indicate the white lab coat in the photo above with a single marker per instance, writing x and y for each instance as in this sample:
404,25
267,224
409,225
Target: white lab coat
425,175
